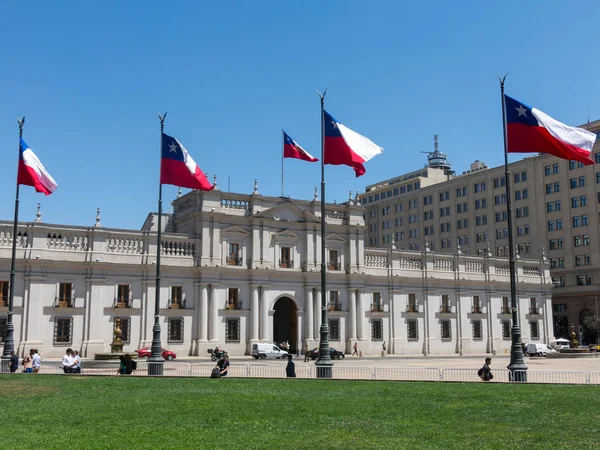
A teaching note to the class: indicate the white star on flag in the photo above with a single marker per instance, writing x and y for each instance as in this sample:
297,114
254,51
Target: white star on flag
522,111
173,148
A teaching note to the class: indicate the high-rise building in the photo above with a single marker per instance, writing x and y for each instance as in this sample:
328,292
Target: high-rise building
556,211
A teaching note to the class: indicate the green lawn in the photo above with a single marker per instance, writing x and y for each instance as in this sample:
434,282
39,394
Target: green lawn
41,411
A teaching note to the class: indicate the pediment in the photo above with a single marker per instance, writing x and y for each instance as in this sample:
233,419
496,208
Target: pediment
234,230
287,212
335,238
286,235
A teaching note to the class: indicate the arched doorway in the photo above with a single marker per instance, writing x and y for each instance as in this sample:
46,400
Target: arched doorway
285,323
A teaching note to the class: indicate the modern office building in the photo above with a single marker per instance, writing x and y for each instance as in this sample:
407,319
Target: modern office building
238,269
556,212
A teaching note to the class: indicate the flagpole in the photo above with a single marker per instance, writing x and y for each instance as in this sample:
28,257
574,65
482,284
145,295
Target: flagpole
9,342
517,366
156,360
324,363
282,157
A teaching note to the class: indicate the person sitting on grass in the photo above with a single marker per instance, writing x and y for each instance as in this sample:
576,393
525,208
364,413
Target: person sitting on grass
224,365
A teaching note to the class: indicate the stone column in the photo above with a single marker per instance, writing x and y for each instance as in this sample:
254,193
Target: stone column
254,313
352,314
214,312
360,316
309,314
264,314
203,335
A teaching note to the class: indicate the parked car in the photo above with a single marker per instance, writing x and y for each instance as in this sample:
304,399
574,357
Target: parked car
537,349
146,352
333,353
559,343
263,351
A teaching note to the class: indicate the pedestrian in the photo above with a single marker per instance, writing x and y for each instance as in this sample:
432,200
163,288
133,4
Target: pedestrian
383,346
306,353
14,362
36,361
224,365
290,369
485,373
28,362
355,347
67,361
77,362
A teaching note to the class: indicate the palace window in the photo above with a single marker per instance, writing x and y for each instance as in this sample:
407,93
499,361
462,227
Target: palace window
506,330
123,292
334,263
232,330
476,305
445,308
412,332
233,255
334,301
285,259
534,329
477,330
176,301
233,299
64,299
63,331
3,325
376,306
412,303
334,329
175,330
4,293
446,330
377,330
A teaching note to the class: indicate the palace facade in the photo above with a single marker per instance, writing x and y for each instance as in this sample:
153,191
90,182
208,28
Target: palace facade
238,269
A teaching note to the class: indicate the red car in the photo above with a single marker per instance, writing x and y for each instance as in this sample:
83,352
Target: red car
146,352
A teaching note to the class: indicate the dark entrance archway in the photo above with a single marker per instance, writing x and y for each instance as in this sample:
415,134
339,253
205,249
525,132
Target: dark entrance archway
285,323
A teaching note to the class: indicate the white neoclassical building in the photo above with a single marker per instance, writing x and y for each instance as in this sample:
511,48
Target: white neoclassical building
238,269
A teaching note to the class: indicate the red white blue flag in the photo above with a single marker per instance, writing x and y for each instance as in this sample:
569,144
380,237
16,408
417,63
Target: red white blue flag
291,149
177,167
344,146
532,131
32,172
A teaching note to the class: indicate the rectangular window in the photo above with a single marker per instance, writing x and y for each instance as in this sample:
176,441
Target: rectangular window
377,330
233,299
122,300
63,331
124,323
477,330
446,330
285,260
445,304
334,301
333,260
232,330
506,330
3,325
334,330
555,168
376,306
412,303
233,256
476,305
412,331
534,330
175,330
4,293
65,300
176,297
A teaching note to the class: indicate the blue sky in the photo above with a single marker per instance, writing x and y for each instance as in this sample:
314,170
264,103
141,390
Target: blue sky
90,78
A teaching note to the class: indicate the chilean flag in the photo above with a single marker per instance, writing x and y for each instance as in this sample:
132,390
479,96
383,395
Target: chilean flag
292,150
530,130
178,168
346,147
33,173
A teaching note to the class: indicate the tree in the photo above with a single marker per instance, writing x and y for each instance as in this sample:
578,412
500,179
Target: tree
591,328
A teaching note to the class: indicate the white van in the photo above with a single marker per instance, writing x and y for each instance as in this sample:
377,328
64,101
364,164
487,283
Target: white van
263,351
537,349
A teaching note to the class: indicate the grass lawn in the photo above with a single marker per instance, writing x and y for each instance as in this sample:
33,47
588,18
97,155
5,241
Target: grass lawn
41,411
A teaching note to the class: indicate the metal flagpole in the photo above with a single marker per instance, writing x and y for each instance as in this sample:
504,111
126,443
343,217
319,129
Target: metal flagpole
156,360
9,342
324,363
282,157
517,366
